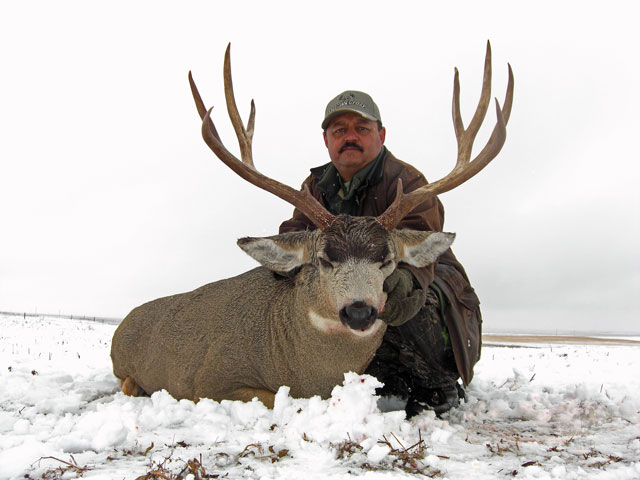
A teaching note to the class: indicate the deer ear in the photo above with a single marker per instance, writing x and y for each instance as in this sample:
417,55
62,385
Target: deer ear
421,248
279,253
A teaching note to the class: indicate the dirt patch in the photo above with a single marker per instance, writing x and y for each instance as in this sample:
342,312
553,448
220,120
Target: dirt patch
557,339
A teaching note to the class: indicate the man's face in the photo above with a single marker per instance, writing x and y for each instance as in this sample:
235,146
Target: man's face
353,142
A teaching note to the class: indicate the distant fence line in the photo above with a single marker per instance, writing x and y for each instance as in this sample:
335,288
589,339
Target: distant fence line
109,320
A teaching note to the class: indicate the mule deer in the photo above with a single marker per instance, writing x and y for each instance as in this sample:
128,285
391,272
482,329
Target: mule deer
246,336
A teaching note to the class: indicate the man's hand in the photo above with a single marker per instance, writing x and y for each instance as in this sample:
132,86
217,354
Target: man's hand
404,300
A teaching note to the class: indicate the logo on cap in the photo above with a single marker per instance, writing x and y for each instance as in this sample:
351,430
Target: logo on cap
348,100
351,100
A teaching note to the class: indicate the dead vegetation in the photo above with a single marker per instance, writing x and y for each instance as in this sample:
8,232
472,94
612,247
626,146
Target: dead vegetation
407,459
556,339
192,468
166,465
63,470
592,458
220,464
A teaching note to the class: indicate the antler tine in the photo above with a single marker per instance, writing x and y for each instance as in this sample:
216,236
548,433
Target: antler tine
202,110
466,137
245,136
303,200
508,99
464,169
499,134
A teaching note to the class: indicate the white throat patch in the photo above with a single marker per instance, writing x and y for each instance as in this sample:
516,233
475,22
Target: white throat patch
330,326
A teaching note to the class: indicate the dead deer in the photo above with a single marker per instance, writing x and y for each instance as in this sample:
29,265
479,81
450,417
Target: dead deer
244,337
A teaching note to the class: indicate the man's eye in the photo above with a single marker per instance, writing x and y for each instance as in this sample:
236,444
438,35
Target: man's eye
363,129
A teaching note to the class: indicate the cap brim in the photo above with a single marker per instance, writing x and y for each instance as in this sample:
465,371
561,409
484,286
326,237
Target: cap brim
340,111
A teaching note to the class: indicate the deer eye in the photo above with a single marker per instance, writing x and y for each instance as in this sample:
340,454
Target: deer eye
325,263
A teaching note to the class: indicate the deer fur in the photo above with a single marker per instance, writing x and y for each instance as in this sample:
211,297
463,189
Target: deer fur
245,336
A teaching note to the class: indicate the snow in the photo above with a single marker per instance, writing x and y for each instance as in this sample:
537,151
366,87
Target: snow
535,412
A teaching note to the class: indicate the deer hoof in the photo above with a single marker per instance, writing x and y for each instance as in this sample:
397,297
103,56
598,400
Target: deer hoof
131,388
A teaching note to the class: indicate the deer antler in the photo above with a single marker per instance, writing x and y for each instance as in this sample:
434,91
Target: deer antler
464,169
303,200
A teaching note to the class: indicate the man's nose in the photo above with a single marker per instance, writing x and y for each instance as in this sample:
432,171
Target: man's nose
351,134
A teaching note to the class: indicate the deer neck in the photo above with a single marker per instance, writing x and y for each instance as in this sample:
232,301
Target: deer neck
308,343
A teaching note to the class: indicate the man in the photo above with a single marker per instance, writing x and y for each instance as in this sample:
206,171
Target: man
435,324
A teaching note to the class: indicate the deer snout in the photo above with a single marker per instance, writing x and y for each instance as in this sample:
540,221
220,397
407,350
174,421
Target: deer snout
358,315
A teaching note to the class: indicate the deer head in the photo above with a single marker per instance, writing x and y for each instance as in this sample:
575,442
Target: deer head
346,263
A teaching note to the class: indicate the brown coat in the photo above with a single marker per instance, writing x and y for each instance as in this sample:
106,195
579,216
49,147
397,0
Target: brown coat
462,311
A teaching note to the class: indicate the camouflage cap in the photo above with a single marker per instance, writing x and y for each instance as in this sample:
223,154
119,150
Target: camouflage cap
351,101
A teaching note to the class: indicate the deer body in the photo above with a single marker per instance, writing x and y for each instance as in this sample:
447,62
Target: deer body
213,343
246,336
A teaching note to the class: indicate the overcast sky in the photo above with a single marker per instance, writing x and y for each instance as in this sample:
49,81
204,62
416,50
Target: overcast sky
110,198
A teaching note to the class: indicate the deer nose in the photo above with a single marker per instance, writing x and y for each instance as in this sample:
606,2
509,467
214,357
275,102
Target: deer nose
358,315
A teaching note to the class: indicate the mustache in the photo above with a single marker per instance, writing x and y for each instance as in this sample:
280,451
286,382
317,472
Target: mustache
351,145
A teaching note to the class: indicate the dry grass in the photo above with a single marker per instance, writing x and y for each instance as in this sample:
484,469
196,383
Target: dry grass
556,339
407,459
65,469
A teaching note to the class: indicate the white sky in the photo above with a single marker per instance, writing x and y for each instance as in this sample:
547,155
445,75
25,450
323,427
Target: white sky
110,198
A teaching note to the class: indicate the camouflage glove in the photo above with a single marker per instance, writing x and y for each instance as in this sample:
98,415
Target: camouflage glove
404,300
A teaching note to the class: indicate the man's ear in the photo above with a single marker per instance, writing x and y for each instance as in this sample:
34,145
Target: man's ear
326,142
421,248
279,253
383,134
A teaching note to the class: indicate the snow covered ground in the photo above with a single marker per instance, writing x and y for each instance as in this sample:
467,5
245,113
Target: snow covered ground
566,412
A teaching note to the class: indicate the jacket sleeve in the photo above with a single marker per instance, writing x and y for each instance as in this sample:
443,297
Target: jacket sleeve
462,313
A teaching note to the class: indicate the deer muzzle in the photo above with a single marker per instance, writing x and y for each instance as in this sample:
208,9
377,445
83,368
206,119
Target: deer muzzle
358,315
